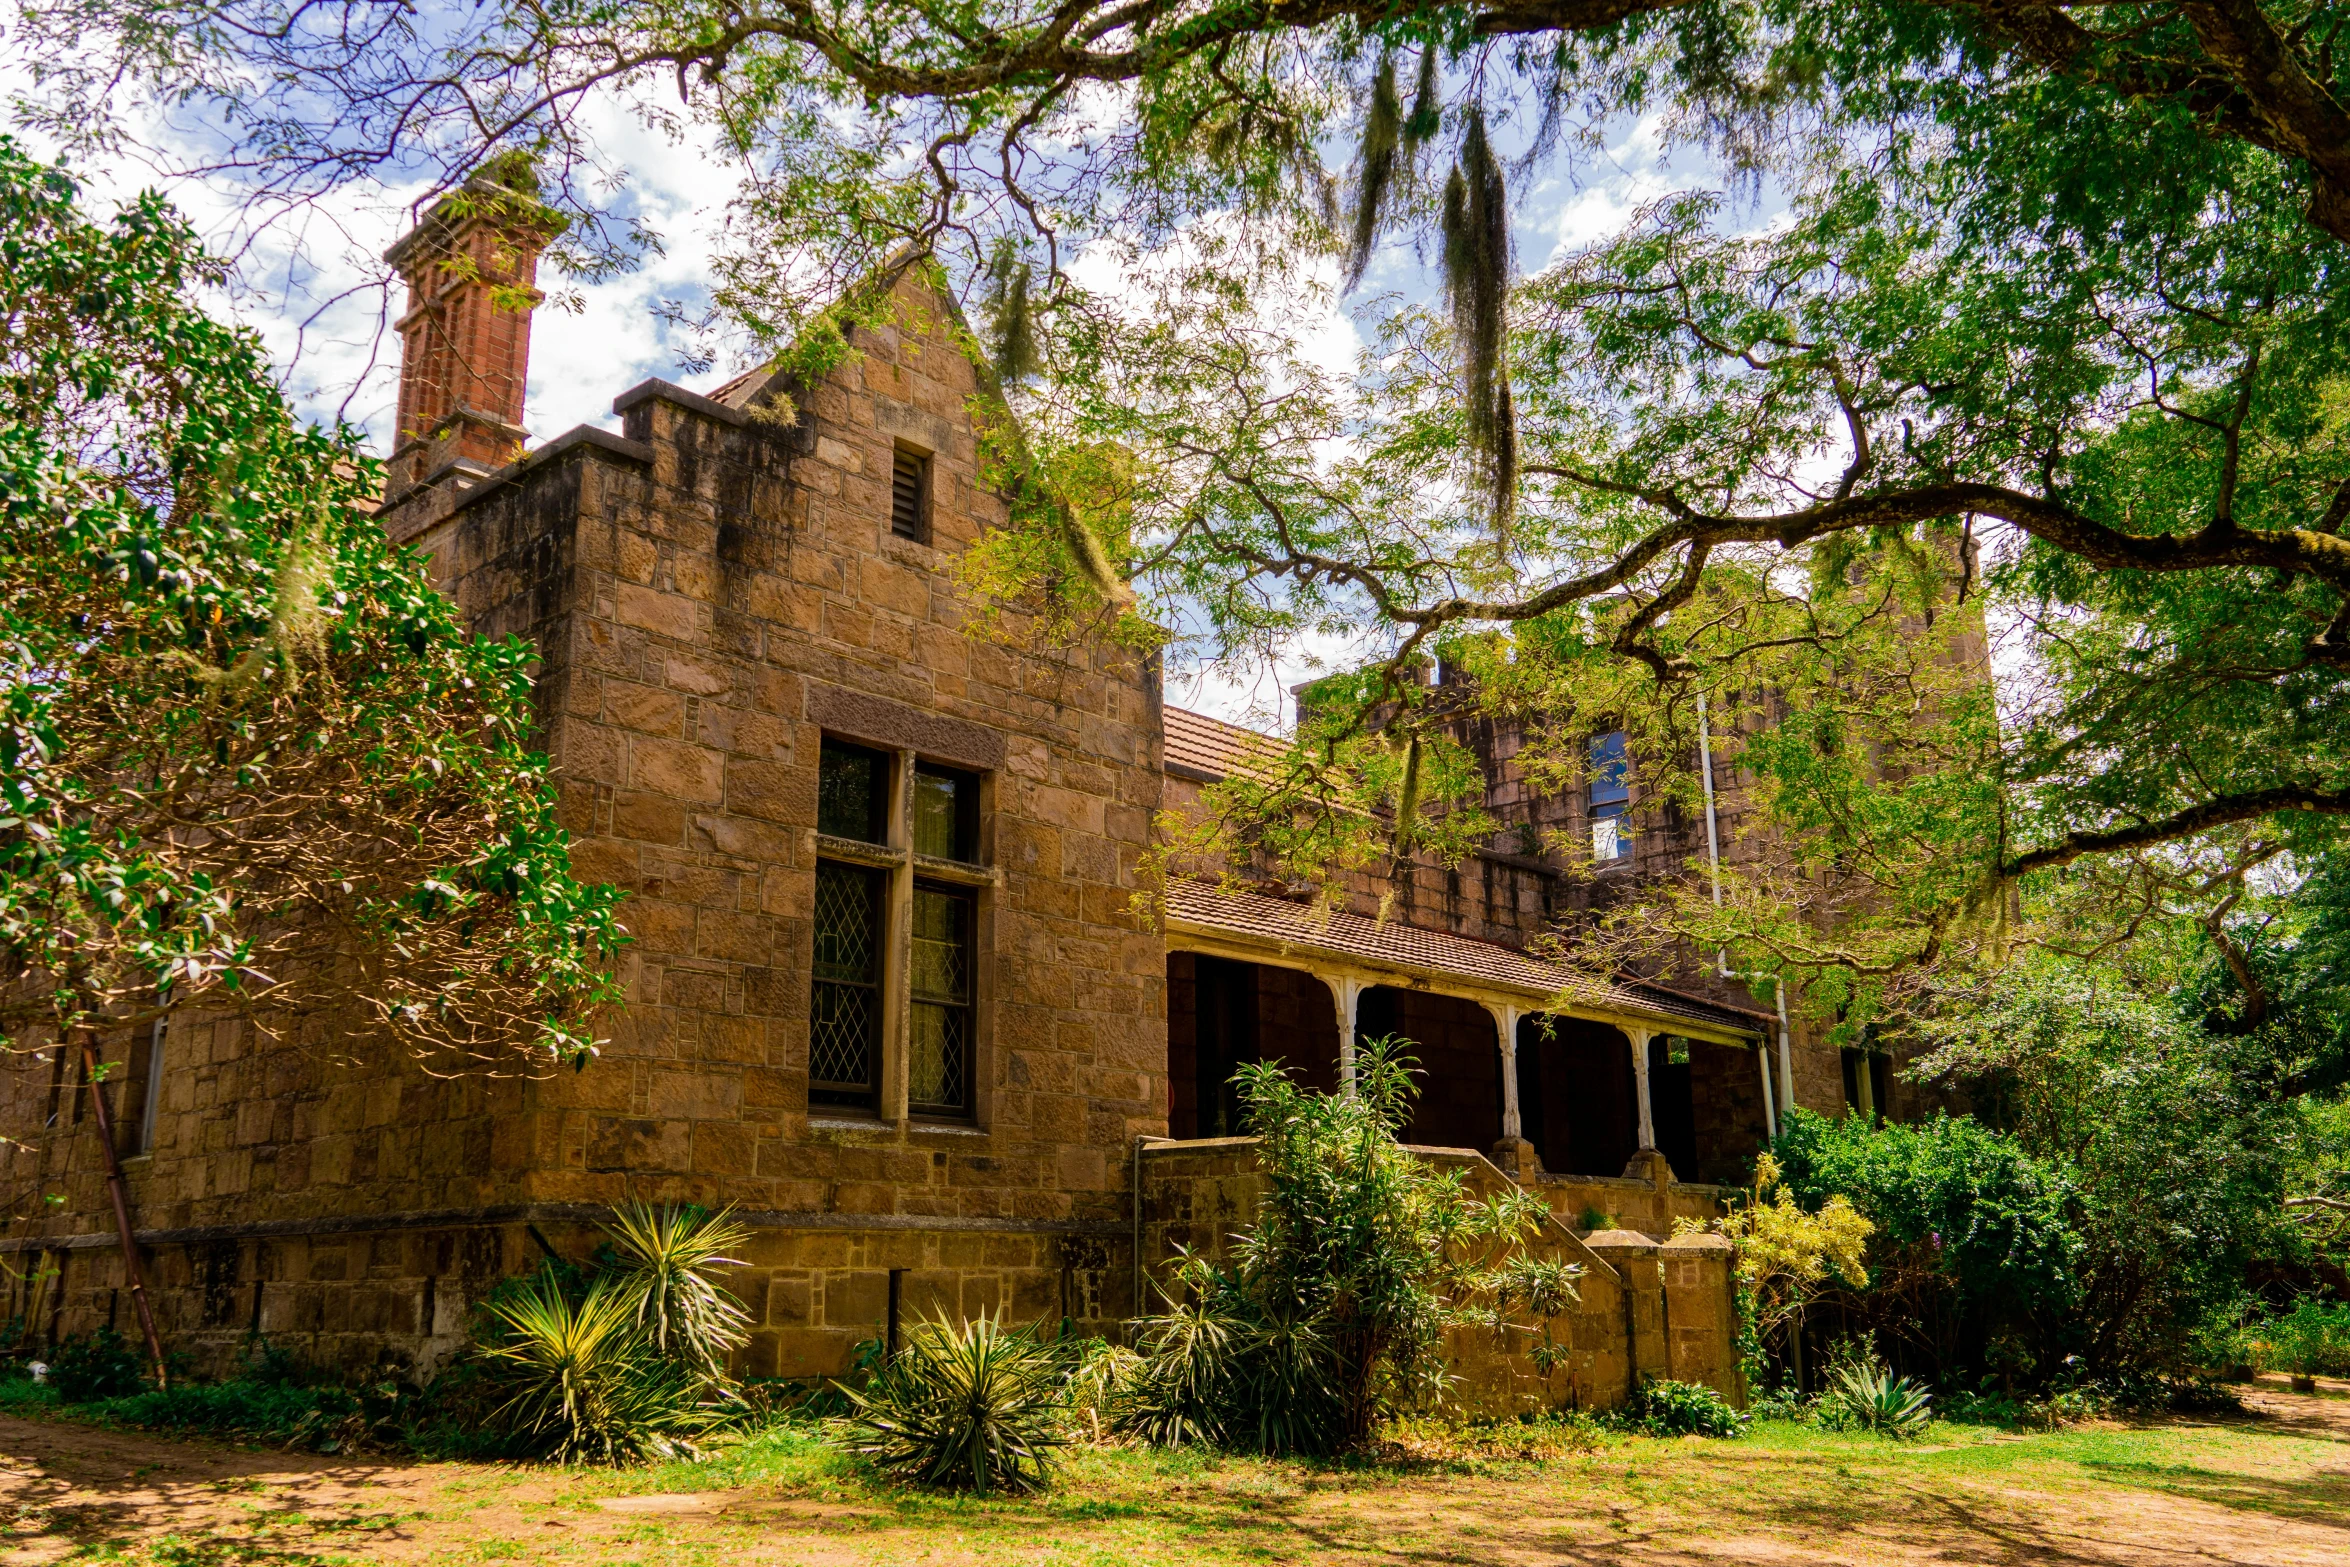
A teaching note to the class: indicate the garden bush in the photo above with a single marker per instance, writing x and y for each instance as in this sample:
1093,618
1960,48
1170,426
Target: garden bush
2313,1339
1330,1313
93,1366
970,1407
623,1359
1865,1395
1667,1408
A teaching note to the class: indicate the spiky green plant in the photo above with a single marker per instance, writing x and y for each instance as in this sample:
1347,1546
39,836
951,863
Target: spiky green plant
665,1262
582,1383
965,1407
1190,1356
1865,1395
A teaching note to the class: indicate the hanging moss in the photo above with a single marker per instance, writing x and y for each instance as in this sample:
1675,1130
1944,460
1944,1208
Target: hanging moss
1407,800
1477,267
1427,116
1382,129
1011,326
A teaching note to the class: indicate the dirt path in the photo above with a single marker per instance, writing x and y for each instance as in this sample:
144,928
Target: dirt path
2274,1489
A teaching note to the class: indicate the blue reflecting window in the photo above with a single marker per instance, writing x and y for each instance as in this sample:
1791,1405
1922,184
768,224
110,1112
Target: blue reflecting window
1611,797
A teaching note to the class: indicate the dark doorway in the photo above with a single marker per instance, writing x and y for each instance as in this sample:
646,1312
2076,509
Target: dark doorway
1575,1095
1211,1033
1458,1098
1670,1105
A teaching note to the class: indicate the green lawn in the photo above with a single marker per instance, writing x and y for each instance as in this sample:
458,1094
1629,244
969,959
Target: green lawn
2275,1489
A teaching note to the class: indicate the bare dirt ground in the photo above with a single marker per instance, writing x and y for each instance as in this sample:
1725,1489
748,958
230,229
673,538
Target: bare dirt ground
2273,1488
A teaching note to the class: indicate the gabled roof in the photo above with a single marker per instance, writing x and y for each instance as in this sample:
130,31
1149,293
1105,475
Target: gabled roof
1250,919
1209,748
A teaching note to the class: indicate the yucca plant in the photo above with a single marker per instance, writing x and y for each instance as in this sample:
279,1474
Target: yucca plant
664,1262
1178,1395
583,1383
975,1407
1865,1395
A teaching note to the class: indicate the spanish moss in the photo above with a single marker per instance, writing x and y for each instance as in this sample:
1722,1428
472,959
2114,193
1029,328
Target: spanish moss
1427,116
1477,268
1010,320
1407,800
1382,128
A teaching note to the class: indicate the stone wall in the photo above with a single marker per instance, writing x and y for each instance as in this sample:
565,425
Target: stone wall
1647,1309
714,590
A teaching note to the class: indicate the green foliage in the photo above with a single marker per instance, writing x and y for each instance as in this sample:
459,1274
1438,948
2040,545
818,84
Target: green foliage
2312,1339
1667,1408
663,1262
92,1366
621,1360
1863,1394
971,1407
249,758
1332,1310
580,1384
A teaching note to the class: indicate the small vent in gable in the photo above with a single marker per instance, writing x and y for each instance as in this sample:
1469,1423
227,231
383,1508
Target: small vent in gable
909,495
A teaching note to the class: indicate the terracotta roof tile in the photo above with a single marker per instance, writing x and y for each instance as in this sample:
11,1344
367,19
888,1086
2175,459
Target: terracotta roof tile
1256,919
1209,747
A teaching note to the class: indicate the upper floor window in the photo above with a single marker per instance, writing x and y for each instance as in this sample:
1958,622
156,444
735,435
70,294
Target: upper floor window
852,792
946,813
909,494
1611,797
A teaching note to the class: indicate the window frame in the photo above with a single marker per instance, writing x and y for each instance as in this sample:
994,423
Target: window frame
839,1093
967,1007
1616,807
923,465
902,874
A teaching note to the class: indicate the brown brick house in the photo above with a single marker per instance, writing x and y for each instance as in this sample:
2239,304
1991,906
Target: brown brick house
887,995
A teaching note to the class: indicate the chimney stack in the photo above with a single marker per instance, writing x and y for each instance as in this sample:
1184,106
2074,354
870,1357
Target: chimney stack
471,268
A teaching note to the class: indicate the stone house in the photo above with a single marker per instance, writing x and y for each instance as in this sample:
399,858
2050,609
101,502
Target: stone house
887,995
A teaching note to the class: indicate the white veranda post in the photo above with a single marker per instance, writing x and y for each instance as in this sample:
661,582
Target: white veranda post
1640,1038
1347,993
1505,1026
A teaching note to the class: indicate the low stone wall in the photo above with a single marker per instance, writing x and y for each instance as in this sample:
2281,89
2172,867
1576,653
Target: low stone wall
1647,1308
398,1297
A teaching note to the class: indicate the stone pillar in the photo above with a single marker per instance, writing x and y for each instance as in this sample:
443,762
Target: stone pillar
1346,992
1515,1156
1640,1038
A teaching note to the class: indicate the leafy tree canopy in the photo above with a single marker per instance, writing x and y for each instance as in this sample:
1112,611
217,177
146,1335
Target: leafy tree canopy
250,761
2047,344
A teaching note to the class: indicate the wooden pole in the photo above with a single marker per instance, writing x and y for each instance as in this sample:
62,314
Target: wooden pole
122,1209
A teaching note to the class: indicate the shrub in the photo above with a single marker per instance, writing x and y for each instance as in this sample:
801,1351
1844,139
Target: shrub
1332,1311
582,1382
1865,1395
93,1366
662,1262
2312,1339
967,1408
1665,1408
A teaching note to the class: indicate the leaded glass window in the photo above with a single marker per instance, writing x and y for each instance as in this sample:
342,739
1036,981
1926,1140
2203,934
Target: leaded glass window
844,1029
939,1051
946,813
852,792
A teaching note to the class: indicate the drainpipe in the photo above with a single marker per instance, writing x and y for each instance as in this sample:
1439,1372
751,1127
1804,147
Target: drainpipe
1713,856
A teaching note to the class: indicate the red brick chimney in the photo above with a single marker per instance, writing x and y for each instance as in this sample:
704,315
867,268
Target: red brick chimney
471,268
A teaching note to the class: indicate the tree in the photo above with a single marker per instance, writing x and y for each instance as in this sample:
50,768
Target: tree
253,762
2054,321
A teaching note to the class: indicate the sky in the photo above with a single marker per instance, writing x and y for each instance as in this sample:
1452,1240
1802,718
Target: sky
312,295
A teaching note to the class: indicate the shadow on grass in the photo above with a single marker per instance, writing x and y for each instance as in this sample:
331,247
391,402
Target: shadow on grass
2317,1498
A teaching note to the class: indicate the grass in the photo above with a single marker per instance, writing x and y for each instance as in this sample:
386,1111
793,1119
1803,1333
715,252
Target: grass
1982,1493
